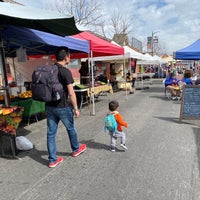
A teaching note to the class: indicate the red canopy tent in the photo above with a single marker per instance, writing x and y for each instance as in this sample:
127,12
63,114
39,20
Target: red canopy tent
98,47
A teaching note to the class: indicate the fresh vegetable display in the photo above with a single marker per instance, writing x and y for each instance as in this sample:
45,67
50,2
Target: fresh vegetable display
10,117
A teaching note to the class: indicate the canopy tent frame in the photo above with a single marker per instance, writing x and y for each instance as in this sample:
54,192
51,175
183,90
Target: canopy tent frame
24,16
98,47
4,75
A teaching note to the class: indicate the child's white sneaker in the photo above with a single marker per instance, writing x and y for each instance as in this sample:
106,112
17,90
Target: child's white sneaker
123,146
112,149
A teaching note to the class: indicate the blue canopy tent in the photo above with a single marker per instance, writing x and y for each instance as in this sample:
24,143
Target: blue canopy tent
38,42
191,52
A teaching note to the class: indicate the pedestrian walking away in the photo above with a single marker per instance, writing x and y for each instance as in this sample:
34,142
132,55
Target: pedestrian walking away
63,110
113,109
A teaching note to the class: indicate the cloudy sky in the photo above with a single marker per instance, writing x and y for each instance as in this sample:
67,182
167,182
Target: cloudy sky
176,23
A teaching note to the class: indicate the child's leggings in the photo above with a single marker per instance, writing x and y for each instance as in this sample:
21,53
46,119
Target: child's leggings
117,134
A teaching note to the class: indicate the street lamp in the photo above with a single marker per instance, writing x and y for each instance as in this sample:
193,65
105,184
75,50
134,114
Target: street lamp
152,42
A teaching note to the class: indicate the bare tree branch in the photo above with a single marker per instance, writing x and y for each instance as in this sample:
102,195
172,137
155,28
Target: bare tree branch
85,12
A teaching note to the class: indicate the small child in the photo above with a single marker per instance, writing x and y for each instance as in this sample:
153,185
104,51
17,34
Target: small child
113,107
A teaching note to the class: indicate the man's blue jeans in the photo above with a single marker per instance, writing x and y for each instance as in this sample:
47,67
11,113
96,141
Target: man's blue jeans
54,115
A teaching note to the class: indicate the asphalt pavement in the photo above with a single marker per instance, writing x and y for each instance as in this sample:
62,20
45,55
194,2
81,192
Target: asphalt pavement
162,161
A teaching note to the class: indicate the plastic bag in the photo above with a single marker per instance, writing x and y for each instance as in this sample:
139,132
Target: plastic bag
23,143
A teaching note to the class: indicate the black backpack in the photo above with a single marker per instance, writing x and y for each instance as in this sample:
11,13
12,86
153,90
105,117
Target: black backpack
45,84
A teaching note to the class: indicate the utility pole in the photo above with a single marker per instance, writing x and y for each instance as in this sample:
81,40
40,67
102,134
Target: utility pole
152,42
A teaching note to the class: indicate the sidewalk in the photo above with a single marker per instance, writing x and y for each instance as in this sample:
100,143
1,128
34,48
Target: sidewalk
161,163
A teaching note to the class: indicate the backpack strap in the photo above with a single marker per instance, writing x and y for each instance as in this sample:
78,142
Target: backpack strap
64,86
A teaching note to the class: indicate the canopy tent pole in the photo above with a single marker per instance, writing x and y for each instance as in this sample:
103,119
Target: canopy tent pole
124,73
3,72
92,74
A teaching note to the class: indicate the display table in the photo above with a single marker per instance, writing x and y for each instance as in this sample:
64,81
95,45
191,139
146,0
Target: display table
124,85
31,107
83,94
100,89
84,91
143,76
140,80
10,119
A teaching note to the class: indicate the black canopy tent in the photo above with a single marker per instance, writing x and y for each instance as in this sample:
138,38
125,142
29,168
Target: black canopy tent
39,19
24,16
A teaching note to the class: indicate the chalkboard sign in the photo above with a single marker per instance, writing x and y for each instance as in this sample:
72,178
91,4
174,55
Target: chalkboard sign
190,105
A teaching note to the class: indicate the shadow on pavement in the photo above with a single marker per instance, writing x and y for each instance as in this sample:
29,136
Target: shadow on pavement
170,119
176,120
22,131
96,145
160,97
197,139
37,155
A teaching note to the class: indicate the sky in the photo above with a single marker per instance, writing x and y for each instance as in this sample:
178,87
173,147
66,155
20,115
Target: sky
176,23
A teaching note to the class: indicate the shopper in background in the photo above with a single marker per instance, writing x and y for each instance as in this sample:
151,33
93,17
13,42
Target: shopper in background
171,85
187,79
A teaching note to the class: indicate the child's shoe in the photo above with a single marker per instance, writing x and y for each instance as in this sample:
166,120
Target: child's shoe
123,146
112,149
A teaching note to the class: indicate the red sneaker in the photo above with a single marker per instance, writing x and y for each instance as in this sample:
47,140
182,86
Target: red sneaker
58,161
81,149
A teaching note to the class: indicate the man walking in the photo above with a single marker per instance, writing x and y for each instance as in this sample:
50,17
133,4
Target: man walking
63,110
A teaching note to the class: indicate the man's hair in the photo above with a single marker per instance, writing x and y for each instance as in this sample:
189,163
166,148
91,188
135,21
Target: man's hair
113,105
61,53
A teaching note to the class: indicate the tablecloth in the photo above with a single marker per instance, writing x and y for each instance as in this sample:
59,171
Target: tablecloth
31,107
99,89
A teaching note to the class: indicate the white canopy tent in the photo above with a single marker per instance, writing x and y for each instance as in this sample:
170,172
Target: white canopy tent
123,59
151,60
129,53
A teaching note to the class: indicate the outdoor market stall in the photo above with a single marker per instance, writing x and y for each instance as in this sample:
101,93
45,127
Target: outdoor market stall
31,108
191,52
98,47
124,62
10,119
36,41
85,91
48,21
24,16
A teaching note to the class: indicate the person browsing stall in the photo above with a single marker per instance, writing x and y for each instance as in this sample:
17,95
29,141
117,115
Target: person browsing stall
131,80
187,77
